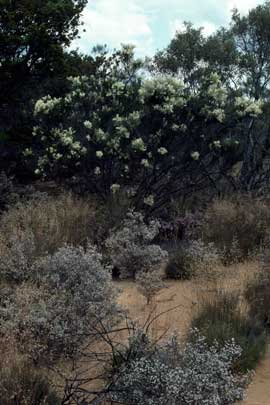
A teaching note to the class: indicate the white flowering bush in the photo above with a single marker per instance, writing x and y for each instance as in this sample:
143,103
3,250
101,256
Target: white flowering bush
191,259
130,248
172,374
114,129
71,296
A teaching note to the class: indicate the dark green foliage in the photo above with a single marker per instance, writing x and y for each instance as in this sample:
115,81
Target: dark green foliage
33,37
220,319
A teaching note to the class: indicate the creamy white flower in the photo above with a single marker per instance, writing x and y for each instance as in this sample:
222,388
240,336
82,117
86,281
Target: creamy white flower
149,200
138,145
195,155
28,152
99,154
87,124
162,151
145,162
115,188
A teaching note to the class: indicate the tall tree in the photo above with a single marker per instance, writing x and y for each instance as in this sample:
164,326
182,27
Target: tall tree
33,38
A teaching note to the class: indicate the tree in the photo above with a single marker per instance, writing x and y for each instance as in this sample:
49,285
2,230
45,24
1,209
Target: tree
154,138
184,55
33,36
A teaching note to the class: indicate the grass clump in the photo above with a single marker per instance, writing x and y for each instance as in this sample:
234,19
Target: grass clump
53,221
220,319
257,293
22,385
236,226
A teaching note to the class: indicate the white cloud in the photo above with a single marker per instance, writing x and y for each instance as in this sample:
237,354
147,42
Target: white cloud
178,25
150,24
114,22
242,5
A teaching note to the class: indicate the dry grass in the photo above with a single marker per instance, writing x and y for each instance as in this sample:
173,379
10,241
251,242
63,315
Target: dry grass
181,299
53,221
239,225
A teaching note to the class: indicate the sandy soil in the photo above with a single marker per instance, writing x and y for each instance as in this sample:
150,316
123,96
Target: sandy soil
258,392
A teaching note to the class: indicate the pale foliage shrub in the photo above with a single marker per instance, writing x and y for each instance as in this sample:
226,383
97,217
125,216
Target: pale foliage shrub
131,248
18,254
172,374
193,259
149,284
237,226
72,294
53,221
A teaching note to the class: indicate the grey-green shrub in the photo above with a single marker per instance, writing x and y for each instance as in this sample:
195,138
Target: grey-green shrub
193,258
131,248
72,294
176,375
18,254
149,284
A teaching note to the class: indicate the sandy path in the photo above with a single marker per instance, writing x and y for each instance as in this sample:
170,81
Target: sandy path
258,392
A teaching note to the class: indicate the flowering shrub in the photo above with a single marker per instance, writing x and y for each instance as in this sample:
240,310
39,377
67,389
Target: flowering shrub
195,374
74,294
191,259
130,249
154,135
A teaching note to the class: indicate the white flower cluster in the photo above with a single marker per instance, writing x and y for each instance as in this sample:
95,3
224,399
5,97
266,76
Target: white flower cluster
138,145
46,104
245,106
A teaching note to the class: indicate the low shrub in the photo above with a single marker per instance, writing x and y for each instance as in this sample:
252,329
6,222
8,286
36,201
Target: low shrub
191,259
149,284
131,249
219,319
237,226
18,255
72,294
21,385
173,374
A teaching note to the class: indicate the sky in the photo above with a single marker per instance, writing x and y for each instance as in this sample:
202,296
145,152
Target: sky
151,24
